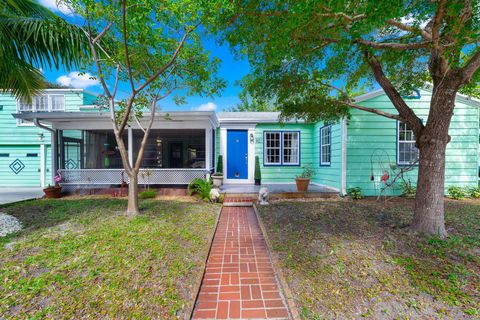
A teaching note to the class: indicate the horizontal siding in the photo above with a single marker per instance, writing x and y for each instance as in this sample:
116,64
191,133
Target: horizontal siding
328,175
29,176
372,143
285,174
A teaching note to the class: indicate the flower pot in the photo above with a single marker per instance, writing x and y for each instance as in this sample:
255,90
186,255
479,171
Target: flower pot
217,181
302,184
258,182
53,192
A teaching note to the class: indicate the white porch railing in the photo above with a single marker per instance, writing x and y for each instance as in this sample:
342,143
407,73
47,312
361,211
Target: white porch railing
117,176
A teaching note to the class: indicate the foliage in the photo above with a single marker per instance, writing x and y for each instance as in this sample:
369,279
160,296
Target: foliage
474,192
258,173
330,247
200,187
307,172
355,193
408,189
85,246
147,194
33,37
456,193
251,104
219,169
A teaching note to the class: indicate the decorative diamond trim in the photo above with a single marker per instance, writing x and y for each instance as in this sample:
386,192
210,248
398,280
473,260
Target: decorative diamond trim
16,166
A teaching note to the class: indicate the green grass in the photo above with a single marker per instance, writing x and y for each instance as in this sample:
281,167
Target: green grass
83,258
357,259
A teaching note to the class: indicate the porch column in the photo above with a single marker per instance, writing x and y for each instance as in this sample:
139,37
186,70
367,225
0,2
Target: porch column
208,150
130,145
54,150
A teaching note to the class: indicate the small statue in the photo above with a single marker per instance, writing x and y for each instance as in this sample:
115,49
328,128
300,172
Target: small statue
214,195
263,196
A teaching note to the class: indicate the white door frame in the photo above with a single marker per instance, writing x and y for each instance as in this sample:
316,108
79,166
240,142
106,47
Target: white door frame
251,153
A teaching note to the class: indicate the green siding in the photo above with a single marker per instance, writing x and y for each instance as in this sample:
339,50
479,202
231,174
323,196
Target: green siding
285,174
328,175
372,137
217,146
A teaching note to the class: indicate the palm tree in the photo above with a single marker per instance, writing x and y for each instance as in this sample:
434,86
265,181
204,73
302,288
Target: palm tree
32,37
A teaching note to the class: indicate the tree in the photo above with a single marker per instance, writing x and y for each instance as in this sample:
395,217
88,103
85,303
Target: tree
154,49
248,103
33,37
296,48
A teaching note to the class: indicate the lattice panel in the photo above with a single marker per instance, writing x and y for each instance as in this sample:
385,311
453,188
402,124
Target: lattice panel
114,176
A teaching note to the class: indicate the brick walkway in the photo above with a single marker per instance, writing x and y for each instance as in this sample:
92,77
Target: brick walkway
239,281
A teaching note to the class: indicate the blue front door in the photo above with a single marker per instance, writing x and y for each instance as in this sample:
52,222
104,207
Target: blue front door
237,154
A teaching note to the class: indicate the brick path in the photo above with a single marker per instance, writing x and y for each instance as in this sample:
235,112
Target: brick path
239,281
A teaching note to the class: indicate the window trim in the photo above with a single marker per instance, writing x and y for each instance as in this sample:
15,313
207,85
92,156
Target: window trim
403,163
321,163
281,164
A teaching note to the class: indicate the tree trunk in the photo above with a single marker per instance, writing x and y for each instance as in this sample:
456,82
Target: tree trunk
428,216
132,208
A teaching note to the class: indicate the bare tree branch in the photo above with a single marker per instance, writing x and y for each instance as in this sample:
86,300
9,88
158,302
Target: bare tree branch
394,45
405,112
405,27
125,46
102,33
138,162
471,67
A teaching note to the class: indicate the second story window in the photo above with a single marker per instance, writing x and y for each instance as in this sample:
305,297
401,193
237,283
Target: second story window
43,103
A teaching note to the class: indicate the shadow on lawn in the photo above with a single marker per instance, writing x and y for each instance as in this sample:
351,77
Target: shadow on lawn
357,259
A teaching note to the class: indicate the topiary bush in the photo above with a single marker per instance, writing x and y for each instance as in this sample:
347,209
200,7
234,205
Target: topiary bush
456,193
258,173
200,187
219,169
355,193
147,194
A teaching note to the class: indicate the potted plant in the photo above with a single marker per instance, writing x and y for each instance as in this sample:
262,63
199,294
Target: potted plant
258,173
53,192
217,177
303,180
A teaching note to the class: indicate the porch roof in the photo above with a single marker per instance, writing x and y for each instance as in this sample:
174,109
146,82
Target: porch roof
99,120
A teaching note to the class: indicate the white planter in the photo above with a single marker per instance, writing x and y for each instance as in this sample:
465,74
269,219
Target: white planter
217,181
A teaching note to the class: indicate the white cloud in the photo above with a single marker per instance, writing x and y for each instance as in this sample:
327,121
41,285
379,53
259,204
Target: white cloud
210,106
75,80
52,5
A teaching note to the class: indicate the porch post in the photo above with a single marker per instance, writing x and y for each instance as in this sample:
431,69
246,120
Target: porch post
130,145
208,151
54,151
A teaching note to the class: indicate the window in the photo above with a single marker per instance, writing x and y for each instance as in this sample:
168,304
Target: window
407,152
43,103
325,145
281,147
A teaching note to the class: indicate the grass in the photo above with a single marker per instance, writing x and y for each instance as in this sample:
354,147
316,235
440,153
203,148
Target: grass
356,259
82,258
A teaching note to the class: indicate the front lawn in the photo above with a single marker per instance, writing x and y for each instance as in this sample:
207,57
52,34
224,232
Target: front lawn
82,258
356,259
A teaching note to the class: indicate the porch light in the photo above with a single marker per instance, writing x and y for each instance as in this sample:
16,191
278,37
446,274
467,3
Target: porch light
252,138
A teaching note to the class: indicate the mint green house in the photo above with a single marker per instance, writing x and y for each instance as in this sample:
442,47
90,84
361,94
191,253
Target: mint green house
25,149
354,152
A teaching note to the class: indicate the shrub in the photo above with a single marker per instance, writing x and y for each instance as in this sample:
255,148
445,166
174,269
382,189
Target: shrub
219,171
474,192
147,194
201,188
258,173
355,193
456,193
307,172
409,190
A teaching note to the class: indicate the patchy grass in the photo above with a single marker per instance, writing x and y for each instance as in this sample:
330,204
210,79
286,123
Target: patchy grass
345,259
82,258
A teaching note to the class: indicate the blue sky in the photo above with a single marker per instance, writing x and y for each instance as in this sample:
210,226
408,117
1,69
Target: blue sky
231,70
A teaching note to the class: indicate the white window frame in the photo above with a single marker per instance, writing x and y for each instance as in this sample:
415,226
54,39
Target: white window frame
281,148
329,145
33,108
409,142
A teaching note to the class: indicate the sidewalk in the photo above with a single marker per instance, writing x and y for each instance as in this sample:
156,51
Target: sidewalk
239,281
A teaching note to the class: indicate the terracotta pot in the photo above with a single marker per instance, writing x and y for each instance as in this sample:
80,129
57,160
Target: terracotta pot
217,181
302,184
53,192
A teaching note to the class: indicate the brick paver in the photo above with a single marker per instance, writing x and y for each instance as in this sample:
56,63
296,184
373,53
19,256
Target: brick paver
239,281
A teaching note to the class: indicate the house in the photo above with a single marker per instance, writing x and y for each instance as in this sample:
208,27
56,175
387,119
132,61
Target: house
353,152
25,149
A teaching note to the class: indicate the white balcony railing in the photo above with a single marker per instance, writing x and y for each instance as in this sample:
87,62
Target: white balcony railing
178,176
